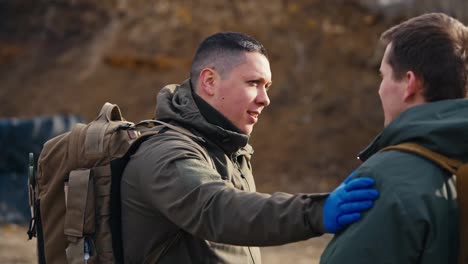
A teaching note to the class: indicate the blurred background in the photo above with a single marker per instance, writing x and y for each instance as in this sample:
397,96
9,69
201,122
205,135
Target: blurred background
60,60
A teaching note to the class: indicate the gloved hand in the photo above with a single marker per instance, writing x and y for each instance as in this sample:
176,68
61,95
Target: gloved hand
345,204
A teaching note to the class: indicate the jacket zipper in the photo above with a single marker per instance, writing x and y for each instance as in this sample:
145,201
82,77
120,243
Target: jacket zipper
236,164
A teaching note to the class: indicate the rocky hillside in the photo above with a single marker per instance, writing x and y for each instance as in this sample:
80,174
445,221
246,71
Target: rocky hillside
74,55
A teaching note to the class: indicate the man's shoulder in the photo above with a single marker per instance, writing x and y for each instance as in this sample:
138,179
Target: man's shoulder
395,161
170,140
403,175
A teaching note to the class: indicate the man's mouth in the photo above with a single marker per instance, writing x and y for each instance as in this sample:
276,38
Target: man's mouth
254,114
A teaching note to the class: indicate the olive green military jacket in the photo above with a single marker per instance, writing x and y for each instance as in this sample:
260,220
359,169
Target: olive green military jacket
193,194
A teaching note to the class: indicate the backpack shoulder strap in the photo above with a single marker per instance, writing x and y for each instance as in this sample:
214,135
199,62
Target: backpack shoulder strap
147,130
448,164
458,168
181,130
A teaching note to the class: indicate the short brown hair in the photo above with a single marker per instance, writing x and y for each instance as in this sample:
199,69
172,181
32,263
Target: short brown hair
433,46
223,51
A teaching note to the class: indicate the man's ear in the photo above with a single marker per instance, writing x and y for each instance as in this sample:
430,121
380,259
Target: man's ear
414,88
208,79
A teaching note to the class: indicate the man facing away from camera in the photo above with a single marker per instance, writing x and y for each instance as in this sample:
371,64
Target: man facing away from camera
423,85
188,193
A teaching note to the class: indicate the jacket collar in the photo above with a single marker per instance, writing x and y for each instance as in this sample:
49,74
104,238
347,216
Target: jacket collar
441,126
176,103
212,115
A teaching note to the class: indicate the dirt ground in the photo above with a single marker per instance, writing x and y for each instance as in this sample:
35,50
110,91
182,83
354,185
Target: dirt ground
14,246
16,249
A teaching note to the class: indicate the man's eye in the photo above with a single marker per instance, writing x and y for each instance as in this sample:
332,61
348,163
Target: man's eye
253,82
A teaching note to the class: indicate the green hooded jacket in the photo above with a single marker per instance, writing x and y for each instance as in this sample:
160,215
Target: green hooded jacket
196,191
415,218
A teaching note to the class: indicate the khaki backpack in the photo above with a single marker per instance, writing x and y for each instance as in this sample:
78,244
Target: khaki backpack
75,198
459,170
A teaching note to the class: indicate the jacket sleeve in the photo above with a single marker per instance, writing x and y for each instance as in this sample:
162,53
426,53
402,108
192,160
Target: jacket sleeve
181,184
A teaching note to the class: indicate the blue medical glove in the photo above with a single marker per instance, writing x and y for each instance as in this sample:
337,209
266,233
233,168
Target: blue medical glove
345,204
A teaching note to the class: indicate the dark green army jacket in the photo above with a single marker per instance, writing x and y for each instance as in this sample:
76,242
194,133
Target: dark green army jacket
415,218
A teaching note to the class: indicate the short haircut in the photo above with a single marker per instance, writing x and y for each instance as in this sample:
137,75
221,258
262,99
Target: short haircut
433,46
222,52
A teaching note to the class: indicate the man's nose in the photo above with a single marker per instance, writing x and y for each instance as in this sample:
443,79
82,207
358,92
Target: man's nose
262,97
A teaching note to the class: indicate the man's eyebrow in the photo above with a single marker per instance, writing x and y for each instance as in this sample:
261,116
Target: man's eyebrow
259,79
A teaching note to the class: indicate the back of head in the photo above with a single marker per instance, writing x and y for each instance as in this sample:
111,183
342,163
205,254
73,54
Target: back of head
222,52
433,46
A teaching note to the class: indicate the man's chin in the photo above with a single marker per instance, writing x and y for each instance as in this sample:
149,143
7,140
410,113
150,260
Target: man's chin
247,130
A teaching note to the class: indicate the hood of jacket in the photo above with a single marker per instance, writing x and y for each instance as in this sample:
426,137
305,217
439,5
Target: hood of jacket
440,126
176,103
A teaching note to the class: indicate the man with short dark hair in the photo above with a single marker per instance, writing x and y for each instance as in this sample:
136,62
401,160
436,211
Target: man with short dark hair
423,85
188,194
